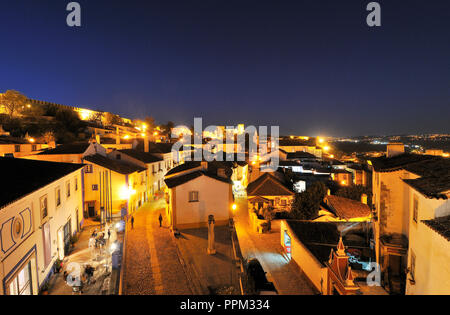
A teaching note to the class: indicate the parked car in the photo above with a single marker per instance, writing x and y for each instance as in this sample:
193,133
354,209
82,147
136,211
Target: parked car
257,274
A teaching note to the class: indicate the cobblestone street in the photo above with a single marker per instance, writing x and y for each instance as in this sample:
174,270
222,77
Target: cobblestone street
152,265
287,277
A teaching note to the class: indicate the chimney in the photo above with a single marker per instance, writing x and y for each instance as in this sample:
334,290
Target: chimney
146,144
364,199
221,172
394,149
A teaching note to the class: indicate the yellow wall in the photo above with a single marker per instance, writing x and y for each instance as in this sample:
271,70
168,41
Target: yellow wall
28,211
316,272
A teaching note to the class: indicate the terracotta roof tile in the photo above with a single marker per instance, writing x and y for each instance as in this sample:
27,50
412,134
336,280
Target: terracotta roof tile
347,208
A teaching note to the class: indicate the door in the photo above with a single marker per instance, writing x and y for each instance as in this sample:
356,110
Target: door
47,244
61,253
67,235
77,220
91,211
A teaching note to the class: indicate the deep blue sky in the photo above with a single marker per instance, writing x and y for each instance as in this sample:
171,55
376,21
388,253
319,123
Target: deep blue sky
312,67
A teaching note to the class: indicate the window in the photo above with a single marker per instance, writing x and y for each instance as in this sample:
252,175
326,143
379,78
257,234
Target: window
413,265
76,183
153,169
44,207
68,189
58,196
95,187
283,202
193,196
33,147
88,168
416,208
17,148
118,157
21,283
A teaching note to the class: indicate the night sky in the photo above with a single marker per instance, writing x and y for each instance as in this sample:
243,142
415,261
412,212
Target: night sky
312,67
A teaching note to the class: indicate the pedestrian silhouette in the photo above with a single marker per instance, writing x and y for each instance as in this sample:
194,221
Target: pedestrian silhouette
132,222
160,220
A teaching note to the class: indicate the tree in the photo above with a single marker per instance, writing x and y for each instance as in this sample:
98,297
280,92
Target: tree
112,119
168,127
150,122
13,102
307,204
68,125
96,117
48,137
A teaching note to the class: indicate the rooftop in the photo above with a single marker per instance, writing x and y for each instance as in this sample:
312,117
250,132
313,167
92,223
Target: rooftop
321,237
398,162
300,155
13,140
268,185
72,148
297,142
434,172
181,179
29,176
118,167
347,208
141,155
440,225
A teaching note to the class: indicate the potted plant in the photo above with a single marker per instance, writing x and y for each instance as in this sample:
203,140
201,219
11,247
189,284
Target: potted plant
57,266
44,289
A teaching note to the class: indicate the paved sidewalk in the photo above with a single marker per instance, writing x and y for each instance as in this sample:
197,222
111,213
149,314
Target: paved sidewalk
285,274
100,259
152,265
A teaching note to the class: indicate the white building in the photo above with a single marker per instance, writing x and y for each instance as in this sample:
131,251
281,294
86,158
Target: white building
429,235
41,207
197,192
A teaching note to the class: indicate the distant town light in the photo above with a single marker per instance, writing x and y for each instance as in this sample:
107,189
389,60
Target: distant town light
234,207
326,148
32,140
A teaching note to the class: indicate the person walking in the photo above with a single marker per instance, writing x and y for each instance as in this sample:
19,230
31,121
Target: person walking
109,234
132,222
160,220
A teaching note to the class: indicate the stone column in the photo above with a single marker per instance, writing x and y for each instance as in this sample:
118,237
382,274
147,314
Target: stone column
211,240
